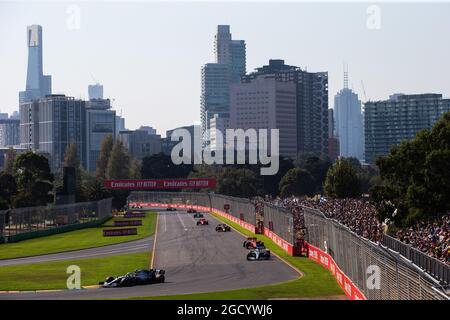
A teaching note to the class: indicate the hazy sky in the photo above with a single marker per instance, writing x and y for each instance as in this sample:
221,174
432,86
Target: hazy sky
148,54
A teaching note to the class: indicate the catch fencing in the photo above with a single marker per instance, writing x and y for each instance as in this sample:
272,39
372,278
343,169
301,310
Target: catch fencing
362,261
279,226
18,224
437,269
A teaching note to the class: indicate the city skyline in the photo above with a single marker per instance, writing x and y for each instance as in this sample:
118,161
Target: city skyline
141,92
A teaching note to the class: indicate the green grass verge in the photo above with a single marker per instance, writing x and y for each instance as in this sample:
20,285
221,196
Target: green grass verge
316,281
75,240
53,275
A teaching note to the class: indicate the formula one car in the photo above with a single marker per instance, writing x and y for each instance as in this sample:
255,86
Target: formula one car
198,215
222,227
137,277
253,243
258,254
202,222
190,210
171,209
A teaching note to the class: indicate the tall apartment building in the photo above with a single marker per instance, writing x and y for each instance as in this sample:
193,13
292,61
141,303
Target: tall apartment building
349,122
215,97
100,122
194,130
229,67
387,123
311,100
9,132
265,103
50,124
38,85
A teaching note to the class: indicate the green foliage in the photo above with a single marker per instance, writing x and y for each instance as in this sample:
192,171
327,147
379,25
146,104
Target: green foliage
159,166
237,182
119,162
34,180
270,182
342,180
297,182
8,189
316,166
103,157
71,160
416,177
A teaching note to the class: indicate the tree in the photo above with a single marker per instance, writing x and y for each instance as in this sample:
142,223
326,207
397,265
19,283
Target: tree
237,182
103,157
10,157
342,181
316,166
270,183
297,182
8,189
159,166
135,168
34,180
415,177
119,162
71,160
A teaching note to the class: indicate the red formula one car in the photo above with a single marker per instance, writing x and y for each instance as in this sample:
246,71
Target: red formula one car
202,222
190,210
253,243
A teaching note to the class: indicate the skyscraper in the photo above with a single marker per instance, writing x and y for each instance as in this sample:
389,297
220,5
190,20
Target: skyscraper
388,123
100,122
50,124
95,91
38,85
229,67
349,122
265,103
312,103
230,52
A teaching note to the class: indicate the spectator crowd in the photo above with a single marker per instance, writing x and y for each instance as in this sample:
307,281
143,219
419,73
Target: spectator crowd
432,237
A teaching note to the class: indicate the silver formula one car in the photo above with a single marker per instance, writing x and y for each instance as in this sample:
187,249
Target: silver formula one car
135,278
258,254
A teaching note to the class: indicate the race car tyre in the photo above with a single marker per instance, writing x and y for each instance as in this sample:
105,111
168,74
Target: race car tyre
162,279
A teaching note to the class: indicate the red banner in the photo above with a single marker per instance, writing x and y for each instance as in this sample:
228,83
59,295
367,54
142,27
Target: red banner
137,184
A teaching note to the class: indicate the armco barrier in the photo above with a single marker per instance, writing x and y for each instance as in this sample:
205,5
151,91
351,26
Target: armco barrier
350,289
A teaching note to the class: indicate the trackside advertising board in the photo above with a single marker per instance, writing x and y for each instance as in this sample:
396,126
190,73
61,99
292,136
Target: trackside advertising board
145,184
350,289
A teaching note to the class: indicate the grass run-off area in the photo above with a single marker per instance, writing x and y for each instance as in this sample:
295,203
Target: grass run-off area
316,282
53,275
75,240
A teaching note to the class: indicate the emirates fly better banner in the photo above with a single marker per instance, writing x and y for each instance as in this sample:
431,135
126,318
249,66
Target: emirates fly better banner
137,184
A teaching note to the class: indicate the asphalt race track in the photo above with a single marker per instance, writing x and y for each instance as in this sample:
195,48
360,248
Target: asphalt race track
196,259
136,246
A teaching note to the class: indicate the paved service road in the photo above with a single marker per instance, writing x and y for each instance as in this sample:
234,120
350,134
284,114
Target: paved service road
136,246
196,259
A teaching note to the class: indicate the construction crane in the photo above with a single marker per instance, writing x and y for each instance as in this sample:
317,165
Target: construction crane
364,91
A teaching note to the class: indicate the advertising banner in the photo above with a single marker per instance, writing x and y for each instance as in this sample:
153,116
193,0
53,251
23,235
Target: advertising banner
144,184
